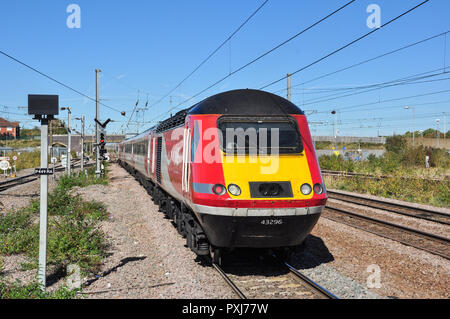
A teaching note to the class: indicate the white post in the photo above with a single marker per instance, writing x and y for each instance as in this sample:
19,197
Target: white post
414,126
43,207
289,87
69,152
97,116
82,143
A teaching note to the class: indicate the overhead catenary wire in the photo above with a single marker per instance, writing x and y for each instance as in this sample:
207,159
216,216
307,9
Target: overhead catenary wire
212,53
366,61
385,85
384,101
349,88
346,45
261,56
56,81
392,106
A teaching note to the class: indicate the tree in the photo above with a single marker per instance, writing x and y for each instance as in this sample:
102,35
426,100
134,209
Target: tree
59,127
396,144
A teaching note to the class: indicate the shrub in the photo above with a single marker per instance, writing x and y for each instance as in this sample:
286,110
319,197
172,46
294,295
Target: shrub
395,144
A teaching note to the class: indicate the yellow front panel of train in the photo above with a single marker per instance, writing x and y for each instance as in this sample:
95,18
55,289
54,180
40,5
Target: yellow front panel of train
243,169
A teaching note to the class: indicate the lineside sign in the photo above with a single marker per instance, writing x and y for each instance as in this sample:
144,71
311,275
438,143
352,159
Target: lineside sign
44,171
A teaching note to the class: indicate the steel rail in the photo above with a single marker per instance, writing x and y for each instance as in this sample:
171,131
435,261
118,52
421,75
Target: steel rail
312,284
412,211
410,231
5,185
235,288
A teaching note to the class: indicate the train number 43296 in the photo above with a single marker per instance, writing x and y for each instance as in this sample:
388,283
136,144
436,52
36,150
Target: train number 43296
271,222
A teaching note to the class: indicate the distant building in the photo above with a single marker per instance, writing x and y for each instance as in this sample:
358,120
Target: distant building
9,128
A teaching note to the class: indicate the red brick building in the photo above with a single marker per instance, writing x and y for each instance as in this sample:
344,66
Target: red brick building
9,128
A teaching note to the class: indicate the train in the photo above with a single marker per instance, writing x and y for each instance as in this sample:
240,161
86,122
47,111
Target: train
236,170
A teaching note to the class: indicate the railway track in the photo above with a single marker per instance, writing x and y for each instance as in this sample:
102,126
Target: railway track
5,185
378,177
402,209
269,280
431,243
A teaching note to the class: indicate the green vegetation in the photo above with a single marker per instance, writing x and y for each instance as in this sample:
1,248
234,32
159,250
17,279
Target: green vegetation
32,291
26,160
74,236
20,143
411,190
348,146
409,179
429,133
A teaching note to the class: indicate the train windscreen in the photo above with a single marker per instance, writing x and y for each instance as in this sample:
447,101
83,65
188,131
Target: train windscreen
268,136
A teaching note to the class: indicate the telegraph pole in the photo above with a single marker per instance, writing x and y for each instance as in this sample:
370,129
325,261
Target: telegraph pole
289,87
335,128
82,144
445,126
438,135
51,138
69,137
97,116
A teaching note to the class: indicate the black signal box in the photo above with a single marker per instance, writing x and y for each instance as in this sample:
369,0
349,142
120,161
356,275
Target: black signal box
39,105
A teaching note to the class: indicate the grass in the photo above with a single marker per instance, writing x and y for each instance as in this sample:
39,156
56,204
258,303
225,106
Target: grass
18,290
408,180
20,143
26,159
411,190
74,236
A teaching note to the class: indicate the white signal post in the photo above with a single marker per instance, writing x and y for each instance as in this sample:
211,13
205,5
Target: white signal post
69,137
44,108
43,206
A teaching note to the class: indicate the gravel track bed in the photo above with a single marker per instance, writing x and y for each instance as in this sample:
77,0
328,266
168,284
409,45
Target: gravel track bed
148,258
407,221
396,201
405,272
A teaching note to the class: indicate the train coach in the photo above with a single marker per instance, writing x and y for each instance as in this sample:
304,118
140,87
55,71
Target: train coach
238,169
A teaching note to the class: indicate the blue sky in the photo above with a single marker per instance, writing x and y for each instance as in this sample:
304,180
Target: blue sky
147,47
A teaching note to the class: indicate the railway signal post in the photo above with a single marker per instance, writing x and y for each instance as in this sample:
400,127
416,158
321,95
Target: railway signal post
44,108
101,151
97,116
69,137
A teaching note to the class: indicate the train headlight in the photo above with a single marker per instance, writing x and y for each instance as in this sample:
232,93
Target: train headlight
234,190
318,189
219,189
306,189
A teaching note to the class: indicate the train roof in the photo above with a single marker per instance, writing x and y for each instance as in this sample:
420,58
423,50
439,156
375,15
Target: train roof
246,102
236,102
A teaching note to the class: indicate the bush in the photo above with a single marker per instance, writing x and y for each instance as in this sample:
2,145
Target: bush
396,144
73,233
416,190
336,163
